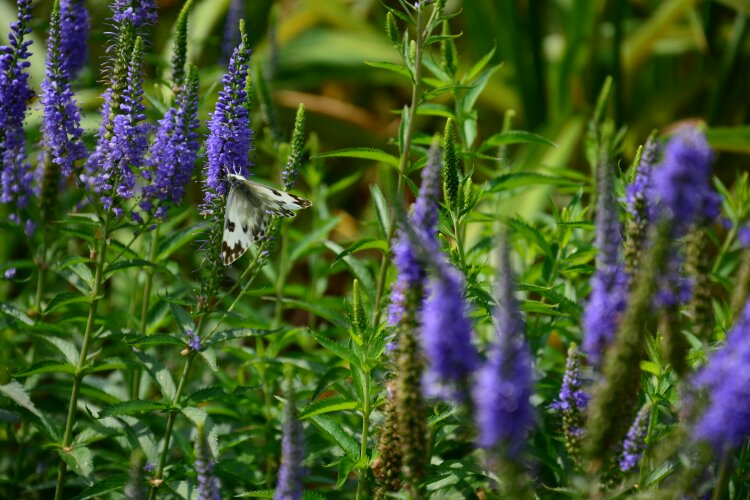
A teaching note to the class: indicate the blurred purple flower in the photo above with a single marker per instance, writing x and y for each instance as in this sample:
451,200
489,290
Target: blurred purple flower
446,337
609,284
16,181
232,36
572,396
635,441
682,182
137,12
174,151
10,273
423,221
504,385
194,341
290,482
725,423
637,192
743,235
61,127
74,27
208,486
230,136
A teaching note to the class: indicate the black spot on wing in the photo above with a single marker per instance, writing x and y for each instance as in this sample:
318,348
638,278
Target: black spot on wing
230,226
230,254
245,228
303,203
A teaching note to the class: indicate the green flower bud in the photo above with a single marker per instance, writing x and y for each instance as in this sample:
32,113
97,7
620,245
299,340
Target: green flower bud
391,29
450,166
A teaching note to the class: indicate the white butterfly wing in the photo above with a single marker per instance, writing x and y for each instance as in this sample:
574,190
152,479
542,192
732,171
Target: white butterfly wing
250,206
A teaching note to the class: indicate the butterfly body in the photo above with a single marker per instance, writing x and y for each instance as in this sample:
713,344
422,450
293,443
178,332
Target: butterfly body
249,209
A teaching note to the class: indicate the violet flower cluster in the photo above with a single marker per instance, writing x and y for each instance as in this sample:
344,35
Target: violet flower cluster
230,136
725,423
61,127
17,179
635,441
446,336
504,384
74,27
572,402
139,13
423,221
174,152
609,284
637,192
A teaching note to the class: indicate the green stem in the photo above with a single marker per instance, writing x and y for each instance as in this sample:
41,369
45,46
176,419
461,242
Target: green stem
79,373
42,272
279,285
362,486
403,163
136,387
723,480
646,458
159,475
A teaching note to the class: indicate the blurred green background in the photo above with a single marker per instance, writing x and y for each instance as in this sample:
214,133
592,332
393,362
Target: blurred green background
671,61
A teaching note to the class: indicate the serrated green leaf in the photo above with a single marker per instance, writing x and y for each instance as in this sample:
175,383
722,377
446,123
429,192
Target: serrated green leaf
516,180
209,356
66,347
16,313
112,483
125,264
477,87
326,313
79,460
45,366
363,244
175,241
159,374
155,340
381,210
357,268
17,393
364,154
65,298
316,236
237,333
480,64
335,433
346,466
514,137
328,405
339,350
132,407
392,67
183,319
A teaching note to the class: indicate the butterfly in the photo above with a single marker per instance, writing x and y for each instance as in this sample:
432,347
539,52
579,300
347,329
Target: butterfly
250,206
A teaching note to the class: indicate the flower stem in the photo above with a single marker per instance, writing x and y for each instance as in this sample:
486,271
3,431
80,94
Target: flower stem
42,272
403,163
362,486
158,476
136,387
723,479
79,373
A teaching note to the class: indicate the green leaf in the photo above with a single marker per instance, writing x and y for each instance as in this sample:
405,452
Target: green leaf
64,298
328,405
79,460
480,64
346,466
17,393
357,268
734,139
334,432
133,407
13,312
175,241
339,350
381,210
326,313
112,483
515,180
125,264
45,366
159,374
257,494
237,333
363,244
66,347
477,87
316,236
514,137
389,66
363,153
155,340
183,319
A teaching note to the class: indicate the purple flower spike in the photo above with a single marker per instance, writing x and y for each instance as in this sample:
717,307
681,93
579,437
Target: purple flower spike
174,151
136,12
682,183
446,337
501,394
726,379
16,181
290,483
208,486
230,136
635,441
609,285
424,221
74,26
61,126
